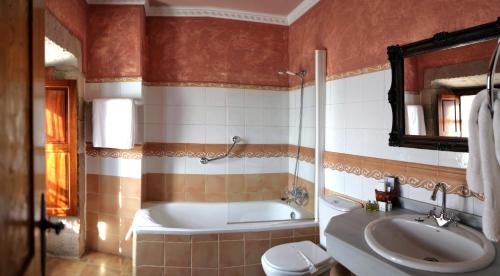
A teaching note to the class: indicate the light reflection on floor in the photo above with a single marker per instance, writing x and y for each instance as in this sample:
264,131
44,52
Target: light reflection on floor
92,263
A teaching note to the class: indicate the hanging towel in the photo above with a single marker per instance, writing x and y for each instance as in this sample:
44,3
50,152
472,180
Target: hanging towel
496,126
474,178
113,123
415,123
490,170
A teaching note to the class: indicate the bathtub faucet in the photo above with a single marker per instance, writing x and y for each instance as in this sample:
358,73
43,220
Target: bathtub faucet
298,195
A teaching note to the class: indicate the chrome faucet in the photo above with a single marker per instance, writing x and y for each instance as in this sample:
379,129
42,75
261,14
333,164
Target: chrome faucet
444,218
296,194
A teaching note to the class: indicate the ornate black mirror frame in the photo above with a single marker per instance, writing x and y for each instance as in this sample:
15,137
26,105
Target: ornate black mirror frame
397,53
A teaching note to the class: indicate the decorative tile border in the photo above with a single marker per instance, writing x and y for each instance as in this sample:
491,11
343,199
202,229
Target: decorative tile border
135,153
203,150
413,174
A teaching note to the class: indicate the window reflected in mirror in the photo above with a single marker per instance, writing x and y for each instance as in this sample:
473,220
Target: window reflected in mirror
439,88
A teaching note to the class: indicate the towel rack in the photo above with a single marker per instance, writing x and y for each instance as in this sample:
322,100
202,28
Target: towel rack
490,78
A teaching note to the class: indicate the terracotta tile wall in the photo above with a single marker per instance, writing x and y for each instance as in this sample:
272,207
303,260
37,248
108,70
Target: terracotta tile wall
111,205
213,188
236,253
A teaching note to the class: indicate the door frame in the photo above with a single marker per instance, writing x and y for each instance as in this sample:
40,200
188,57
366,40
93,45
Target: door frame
72,129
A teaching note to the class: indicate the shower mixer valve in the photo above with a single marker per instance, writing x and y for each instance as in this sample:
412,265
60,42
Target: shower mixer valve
297,194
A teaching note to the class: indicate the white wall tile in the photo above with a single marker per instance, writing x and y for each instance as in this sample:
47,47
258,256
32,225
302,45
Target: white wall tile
355,143
194,166
216,96
254,135
335,180
216,134
236,116
235,98
254,98
339,91
153,95
453,159
354,186
131,89
254,116
121,167
153,113
184,96
216,115
374,86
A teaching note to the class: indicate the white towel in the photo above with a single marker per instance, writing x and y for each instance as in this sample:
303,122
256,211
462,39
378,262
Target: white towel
490,170
483,171
415,123
496,126
113,123
474,179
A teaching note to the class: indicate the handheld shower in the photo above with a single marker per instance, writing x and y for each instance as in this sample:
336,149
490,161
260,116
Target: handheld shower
300,74
299,194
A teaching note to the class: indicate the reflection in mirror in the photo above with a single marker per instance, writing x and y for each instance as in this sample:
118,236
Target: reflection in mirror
439,88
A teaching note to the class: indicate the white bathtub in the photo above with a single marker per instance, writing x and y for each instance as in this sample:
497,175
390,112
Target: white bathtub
190,218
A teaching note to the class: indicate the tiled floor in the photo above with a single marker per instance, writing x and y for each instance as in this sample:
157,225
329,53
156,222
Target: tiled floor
91,264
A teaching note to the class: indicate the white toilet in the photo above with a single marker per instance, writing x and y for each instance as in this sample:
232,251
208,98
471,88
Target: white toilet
306,258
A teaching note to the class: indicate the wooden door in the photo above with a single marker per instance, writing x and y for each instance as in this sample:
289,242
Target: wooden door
60,147
21,138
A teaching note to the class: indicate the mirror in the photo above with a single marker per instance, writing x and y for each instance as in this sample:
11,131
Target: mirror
434,82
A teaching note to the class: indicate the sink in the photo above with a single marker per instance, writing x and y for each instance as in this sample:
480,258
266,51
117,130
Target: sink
415,241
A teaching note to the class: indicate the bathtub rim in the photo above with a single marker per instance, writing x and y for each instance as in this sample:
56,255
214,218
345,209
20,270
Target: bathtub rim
233,227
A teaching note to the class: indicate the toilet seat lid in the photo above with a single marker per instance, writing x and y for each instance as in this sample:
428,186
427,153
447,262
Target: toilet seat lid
286,257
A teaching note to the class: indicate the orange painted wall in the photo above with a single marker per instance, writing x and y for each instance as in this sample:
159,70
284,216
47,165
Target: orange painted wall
115,41
356,33
72,14
215,50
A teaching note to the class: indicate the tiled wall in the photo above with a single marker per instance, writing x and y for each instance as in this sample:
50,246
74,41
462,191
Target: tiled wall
111,205
358,120
212,116
236,253
113,182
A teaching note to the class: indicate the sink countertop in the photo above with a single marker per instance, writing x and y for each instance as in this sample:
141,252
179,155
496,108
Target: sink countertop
346,243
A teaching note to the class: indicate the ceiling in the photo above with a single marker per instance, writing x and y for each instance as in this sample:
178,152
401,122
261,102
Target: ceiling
274,7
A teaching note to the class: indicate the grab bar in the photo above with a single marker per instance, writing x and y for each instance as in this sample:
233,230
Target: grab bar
205,160
490,78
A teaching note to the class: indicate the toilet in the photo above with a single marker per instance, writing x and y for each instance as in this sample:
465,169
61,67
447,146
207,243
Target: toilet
306,258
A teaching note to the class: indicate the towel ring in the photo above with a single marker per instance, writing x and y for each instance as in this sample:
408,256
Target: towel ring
490,78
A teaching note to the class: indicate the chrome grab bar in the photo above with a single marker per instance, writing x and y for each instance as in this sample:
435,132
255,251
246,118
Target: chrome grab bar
490,78
204,160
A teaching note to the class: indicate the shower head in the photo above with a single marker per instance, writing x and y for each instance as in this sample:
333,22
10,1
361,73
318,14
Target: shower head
300,74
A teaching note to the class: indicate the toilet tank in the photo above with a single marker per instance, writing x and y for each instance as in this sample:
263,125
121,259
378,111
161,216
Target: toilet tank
330,206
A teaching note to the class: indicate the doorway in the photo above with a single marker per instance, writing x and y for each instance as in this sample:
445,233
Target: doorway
60,147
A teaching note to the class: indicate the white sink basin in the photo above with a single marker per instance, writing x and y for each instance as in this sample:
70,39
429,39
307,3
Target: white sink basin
423,245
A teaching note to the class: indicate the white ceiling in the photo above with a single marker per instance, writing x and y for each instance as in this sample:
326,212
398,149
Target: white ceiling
275,7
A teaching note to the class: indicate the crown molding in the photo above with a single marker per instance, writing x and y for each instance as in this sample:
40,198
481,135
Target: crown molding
198,11
217,13
300,10
116,2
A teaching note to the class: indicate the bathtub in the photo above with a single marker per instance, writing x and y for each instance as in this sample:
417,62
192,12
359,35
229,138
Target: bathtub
191,218
181,238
